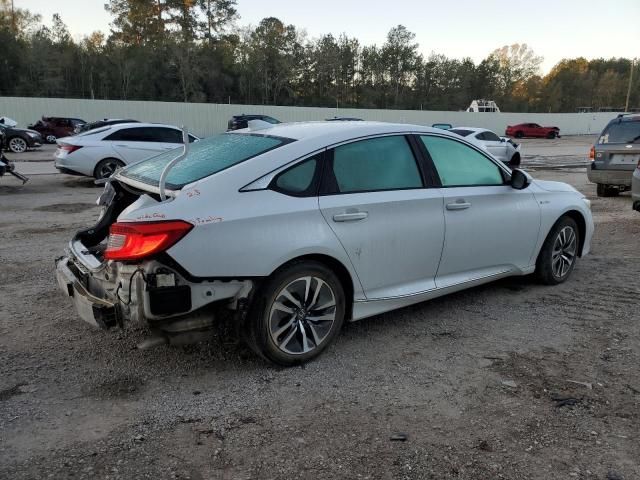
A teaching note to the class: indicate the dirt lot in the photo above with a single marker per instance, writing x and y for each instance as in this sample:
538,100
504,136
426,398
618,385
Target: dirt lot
512,380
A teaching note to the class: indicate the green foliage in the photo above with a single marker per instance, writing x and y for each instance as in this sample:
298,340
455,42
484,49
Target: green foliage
190,51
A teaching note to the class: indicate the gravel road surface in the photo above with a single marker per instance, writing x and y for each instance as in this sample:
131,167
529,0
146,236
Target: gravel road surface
511,380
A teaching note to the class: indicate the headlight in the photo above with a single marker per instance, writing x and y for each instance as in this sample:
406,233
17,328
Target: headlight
33,134
587,202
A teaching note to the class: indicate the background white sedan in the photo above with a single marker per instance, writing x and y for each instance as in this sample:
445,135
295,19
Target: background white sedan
98,153
504,149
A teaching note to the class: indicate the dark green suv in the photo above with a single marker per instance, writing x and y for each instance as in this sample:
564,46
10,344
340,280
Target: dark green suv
615,155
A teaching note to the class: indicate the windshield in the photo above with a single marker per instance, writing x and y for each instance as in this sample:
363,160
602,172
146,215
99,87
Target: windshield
205,158
623,132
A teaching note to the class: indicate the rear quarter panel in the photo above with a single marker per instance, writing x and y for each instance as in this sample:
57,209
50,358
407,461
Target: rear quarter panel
244,234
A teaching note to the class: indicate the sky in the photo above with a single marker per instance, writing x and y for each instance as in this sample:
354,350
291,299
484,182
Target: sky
462,28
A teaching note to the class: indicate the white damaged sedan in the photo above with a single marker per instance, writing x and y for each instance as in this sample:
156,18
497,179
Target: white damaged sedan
297,228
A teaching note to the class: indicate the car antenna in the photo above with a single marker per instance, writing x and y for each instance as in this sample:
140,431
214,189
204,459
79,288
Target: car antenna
172,163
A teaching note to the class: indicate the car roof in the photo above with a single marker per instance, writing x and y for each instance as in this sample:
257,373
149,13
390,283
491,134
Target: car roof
119,126
472,129
333,132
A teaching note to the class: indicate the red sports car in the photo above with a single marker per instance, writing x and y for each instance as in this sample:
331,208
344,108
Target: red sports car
531,130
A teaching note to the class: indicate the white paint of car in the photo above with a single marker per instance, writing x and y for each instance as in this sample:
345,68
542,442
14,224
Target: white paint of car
500,147
127,143
397,245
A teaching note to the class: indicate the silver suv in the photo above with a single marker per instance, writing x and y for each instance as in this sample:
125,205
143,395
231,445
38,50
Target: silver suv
615,155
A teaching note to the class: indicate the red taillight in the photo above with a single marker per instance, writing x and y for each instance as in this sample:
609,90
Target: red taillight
133,241
592,154
69,148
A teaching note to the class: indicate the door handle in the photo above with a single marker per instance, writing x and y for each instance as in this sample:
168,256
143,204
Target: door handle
458,205
350,217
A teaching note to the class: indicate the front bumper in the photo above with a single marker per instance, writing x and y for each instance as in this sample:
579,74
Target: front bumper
93,310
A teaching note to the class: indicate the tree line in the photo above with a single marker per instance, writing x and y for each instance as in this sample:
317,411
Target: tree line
193,51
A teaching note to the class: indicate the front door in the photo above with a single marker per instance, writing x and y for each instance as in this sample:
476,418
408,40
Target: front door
491,228
391,227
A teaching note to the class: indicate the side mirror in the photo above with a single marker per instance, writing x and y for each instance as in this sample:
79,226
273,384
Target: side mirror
520,179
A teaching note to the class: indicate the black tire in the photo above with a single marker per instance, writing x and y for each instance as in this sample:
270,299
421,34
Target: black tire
106,167
519,134
264,317
604,190
50,138
548,260
515,161
17,144
551,135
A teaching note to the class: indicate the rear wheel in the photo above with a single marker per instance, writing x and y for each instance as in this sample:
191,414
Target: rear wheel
50,138
607,190
519,134
559,252
296,314
107,167
17,145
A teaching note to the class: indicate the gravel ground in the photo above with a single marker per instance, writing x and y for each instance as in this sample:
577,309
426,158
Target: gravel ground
511,380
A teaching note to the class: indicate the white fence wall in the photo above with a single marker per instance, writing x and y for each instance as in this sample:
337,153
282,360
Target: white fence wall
206,119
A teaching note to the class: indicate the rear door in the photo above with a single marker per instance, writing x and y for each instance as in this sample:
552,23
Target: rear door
490,227
136,143
618,147
374,199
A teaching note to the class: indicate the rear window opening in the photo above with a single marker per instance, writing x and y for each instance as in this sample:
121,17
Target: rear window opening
622,132
205,158
462,133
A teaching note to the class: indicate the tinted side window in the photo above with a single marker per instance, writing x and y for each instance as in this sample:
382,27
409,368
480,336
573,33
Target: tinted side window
460,165
128,135
164,135
491,137
385,163
299,180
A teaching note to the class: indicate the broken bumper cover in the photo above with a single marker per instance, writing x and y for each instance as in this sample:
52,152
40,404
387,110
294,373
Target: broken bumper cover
96,311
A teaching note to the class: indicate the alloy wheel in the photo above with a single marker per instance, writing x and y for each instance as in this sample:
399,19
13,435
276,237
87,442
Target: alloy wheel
51,138
17,145
564,250
107,169
302,315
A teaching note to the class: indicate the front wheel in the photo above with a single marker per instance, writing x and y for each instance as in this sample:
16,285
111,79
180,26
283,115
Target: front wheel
559,252
106,168
17,145
50,138
551,135
296,314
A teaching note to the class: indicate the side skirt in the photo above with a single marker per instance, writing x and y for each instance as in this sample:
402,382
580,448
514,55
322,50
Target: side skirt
363,309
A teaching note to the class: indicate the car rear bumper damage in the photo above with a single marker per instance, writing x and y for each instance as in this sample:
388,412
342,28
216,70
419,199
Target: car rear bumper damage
108,294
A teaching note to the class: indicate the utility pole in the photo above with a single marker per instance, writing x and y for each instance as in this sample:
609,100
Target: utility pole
626,105
13,18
